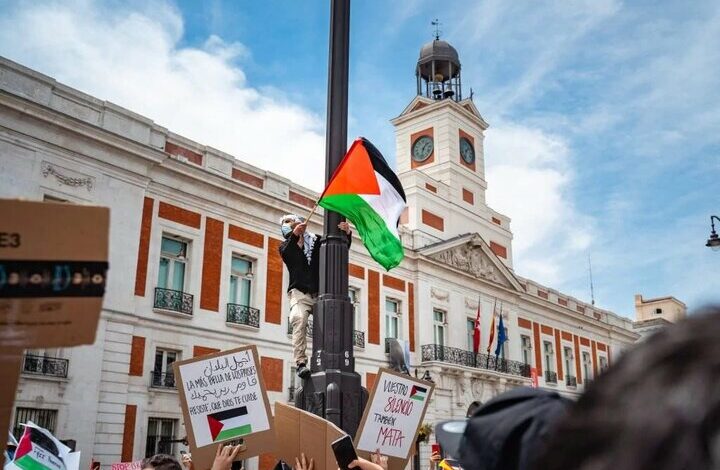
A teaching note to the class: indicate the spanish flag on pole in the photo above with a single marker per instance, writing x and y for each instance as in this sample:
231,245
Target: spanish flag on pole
368,193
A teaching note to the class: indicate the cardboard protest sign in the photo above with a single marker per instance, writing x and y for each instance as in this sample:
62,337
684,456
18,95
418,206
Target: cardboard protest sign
393,416
38,449
298,432
136,465
53,264
223,398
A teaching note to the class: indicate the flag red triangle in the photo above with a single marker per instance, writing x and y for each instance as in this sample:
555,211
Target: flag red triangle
24,446
355,174
215,427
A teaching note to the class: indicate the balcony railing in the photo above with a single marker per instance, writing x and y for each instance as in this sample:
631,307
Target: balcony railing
162,379
174,300
243,315
550,377
49,366
436,352
291,394
359,339
570,381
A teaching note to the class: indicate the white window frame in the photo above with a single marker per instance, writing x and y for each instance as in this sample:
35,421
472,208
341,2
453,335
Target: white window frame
397,315
357,307
526,349
603,363
158,422
470,332
172,260
568,353
164,366
587,365
440,326
549,355
249,277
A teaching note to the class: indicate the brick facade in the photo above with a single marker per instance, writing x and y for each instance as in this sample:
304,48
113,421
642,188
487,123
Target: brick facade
373,332
179,215
143,246
272,370
274,283
246,236
432,220
128,439
212,264
137,356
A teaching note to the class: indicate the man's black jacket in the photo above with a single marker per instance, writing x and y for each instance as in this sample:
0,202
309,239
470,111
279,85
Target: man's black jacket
303,276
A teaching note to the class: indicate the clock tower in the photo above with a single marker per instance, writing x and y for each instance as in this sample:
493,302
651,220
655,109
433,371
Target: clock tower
440,158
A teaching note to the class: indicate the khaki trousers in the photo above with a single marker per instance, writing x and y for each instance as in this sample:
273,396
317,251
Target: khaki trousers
300,308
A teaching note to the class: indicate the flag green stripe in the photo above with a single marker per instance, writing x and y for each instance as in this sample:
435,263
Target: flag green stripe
383,245
417,397
27,462
234,432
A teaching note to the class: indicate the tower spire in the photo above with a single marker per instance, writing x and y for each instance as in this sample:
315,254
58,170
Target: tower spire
436,23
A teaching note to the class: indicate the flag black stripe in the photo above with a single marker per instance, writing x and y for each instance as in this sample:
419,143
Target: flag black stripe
381,166
232,413
420,389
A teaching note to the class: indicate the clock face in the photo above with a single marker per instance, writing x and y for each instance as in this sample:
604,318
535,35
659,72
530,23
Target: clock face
467,152
422,148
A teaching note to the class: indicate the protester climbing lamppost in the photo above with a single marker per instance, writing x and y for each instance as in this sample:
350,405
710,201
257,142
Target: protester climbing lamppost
714,240
334,390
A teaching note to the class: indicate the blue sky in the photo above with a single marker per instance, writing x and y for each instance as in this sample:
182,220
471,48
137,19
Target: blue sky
604,114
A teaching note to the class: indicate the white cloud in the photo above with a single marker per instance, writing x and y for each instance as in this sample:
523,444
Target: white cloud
529,178
134,58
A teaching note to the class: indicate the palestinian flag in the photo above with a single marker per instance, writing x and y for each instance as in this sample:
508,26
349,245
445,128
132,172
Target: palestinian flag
37,451
229,424
418,393
368,193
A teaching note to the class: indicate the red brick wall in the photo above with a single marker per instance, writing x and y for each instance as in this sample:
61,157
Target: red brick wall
246,236
558,355
193,157
143,246
578,370
413,138
137,356
432,220
252,180
594,358
522,323
411,313
500,251
274,283
542,294
370,380
430,188
584,342
538,348
373,307
546,330
472,141
580,309
393,282
126,454
562,302
212,262
300,199
179,215
203,351
272,371
468,196
567,336
601,347
496,221
356,271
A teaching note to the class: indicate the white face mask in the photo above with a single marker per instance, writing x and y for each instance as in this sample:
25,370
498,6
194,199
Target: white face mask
286,230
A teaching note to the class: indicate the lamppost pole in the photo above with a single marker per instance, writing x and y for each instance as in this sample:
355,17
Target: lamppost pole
334,390
714,240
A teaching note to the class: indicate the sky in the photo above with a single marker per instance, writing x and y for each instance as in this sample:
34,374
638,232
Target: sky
604,114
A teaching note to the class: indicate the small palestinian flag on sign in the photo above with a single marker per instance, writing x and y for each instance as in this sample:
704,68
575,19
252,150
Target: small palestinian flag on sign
418,393
229,424
366,191
37,451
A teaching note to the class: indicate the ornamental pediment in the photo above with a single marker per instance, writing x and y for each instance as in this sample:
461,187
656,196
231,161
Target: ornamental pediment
473,256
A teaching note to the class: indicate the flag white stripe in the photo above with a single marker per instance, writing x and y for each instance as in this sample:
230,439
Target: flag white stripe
388,204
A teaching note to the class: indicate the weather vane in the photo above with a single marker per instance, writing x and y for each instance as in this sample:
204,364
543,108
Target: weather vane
437,24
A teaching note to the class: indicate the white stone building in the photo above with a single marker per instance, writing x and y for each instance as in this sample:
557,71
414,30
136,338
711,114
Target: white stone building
194,267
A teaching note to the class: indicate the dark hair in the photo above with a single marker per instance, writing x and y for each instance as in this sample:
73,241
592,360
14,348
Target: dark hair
161,462
657,408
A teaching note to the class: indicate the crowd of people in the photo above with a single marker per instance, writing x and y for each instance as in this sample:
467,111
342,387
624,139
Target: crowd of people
656,408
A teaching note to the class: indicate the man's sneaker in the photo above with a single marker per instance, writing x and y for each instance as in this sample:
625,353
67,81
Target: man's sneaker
303,372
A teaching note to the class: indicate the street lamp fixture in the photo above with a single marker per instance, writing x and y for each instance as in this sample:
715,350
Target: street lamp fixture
714,240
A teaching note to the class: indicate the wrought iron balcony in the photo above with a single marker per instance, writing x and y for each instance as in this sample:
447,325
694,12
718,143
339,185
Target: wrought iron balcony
437,352
358,339
570,381
49,366
243,315
174,300
291,394
387,345
550,377
160,379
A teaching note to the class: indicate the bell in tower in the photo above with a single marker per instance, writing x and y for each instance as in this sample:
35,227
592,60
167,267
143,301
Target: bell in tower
438,70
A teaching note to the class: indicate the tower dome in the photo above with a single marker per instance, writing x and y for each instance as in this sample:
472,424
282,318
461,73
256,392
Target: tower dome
438,71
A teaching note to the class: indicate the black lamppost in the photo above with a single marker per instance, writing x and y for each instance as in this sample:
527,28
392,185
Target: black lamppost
714,240
334,390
